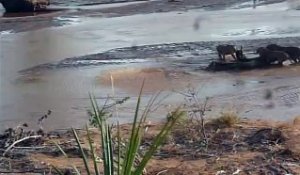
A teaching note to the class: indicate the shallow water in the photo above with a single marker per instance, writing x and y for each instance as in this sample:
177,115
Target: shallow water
25,97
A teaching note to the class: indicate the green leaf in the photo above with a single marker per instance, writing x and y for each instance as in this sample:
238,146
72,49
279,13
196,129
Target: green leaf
94,156
134,139
119,149
158,141
107,151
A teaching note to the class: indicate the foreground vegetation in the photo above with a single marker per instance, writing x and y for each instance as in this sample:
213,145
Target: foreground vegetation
244,147
186,143
120,157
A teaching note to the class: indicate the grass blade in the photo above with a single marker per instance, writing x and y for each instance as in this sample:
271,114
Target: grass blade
57,170
132,146
158,141
119,149
76,170
85,161
60,149
94,157
101,129
64,153
107,151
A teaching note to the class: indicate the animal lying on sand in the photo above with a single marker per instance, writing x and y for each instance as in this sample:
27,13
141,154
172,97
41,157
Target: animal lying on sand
293,52
270,56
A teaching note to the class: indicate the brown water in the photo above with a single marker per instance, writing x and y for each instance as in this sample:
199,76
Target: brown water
25,97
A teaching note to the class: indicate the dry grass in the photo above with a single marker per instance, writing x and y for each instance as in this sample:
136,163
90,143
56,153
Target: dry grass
227,119
292,133
296,122
184,153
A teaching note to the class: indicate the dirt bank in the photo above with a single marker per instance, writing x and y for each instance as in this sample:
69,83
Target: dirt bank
240,147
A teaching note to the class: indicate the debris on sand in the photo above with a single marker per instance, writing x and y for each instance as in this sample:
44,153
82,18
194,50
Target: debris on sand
266,136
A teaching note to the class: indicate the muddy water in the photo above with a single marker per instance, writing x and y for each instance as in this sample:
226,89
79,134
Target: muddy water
25,97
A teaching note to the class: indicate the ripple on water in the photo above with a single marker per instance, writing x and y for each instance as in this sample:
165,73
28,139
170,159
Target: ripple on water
70,63
6,32
67,20
262,31
87,2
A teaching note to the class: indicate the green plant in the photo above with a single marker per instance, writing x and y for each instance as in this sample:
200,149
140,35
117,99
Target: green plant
124,159
104,112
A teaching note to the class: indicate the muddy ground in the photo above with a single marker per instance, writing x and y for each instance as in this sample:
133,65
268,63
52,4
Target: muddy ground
182,65
191,56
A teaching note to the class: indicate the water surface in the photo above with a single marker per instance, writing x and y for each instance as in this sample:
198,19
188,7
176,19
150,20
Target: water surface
25,97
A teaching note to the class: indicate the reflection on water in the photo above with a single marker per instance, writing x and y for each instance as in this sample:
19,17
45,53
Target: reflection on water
67,20
6,32
87,2
157,79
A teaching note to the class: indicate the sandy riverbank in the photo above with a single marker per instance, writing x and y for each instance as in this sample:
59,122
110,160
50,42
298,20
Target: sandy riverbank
233,146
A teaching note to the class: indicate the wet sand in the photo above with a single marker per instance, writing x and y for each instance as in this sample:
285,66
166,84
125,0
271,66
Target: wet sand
156,79
52,68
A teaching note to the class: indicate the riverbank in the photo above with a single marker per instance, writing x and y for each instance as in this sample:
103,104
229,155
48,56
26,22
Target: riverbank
231,146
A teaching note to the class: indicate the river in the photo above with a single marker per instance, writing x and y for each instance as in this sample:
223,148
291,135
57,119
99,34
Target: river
27,96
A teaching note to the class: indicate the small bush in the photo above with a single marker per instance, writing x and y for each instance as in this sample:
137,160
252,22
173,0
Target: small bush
227,119
296,121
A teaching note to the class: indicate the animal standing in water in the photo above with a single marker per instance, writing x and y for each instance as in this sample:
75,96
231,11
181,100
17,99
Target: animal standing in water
270,56
224,50
293,52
